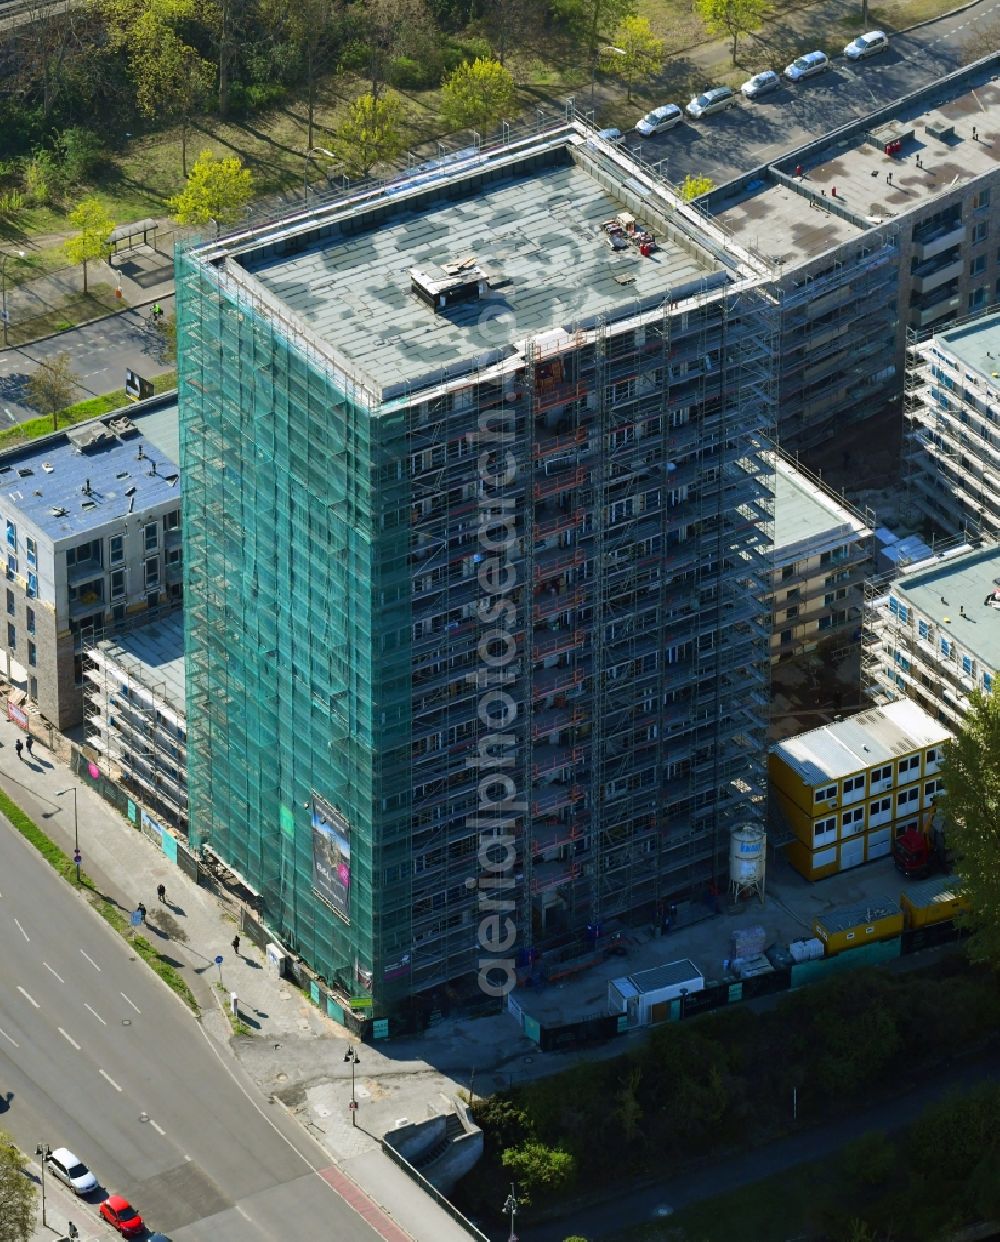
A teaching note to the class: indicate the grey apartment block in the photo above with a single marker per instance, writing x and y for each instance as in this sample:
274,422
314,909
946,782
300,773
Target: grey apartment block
872,238
952,441
933,634
90,523
135,714
343,374
822,557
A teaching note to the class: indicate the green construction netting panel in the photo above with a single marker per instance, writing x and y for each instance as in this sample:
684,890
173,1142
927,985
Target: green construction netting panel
292,581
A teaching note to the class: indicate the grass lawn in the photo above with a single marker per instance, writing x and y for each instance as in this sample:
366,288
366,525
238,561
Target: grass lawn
68,313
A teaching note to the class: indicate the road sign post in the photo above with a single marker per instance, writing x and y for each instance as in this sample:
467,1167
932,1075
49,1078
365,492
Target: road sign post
218,962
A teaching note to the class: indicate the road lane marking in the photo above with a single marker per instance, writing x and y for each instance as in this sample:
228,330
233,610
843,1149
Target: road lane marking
8,1038
28,997
244,1214
53,972
90,959
134,1006
158,1129
69,1039
95,1013
110,1079
22,931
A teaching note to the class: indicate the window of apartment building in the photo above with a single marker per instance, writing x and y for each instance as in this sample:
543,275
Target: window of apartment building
980,234
923,629
980,199
853,821
172,520
32,654
31,590
882,774
11,535
117,583
899,610
933,754
174,556
792,613
10,602
827,794
905,797
978,297
785,636
153,599
932,787
11,565
151,536
968,667
31,549
11,637
946,646
33,689
151,569
909,764
29,620
787,571
116,549
853,783
978,265
881,806
988,682
118,614
824,826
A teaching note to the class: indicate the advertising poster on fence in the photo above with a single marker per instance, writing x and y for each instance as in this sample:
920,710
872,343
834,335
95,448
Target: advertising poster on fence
331,839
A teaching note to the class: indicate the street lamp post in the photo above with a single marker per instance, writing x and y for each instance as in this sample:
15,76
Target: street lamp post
4,256
76,828
351,1057
43,1150
306,156
510,1207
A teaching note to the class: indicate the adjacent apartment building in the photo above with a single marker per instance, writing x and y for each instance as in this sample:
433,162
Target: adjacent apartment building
847,788
134,713
477,508
822,557
90,519
933,634
884,225
952,445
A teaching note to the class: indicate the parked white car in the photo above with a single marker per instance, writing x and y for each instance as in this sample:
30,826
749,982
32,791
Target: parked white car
714,100
72,1172
659,119
807,66
760,84
866,45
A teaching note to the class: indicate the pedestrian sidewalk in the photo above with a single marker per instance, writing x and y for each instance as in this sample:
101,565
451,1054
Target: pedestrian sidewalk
193,929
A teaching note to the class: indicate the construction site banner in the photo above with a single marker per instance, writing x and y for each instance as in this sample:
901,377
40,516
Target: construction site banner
331,838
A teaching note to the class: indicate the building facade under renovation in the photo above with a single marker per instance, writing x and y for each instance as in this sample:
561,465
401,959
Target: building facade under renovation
476,509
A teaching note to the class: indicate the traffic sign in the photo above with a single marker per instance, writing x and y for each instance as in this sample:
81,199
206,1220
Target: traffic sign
77,857
218,959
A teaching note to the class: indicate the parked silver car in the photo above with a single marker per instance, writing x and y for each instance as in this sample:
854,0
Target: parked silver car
866,45
760,84
714,100
72,1172
659,119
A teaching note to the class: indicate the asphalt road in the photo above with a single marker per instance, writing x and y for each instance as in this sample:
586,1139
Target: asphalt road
96,1055
101,354
732,142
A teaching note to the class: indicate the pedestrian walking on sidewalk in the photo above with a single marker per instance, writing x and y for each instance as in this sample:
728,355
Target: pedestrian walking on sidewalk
161,893
234,1004
236,945
19,746
28,743
141,911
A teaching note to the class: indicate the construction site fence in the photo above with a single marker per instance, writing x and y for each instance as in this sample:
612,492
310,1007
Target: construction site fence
571,1035
434,1193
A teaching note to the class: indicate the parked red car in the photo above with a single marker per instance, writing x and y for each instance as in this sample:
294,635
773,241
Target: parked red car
119,1213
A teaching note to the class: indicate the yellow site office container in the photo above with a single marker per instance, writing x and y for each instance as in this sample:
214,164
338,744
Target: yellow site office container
856,925
934,900
813,864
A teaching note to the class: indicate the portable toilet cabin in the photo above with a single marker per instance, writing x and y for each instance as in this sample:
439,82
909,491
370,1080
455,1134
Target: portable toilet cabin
645,996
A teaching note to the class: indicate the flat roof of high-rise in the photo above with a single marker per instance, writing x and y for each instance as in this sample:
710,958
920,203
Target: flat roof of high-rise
522,228
976,345
804,511
153,654
950,586
949,134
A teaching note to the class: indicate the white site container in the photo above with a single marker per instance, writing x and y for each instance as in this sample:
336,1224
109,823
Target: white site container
645,996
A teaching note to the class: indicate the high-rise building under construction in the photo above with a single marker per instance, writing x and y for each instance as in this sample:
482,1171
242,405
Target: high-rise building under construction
476,508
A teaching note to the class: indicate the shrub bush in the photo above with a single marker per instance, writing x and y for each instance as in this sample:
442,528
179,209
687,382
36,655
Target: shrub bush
82,155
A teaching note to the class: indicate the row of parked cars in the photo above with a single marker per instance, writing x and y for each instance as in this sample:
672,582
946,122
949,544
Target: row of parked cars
721,97
118,1212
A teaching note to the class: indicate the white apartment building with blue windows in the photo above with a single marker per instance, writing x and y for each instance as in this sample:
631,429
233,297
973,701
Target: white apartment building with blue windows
933,635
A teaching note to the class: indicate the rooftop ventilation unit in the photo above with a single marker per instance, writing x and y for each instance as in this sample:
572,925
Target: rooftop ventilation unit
444,286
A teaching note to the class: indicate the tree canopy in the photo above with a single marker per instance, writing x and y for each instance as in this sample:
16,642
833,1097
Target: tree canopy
636,53
371,133
694,186
478,94
93,241
217,191
592,21
17,1194
732,17
52,386
971,806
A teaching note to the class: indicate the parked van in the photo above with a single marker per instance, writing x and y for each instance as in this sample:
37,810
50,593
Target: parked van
807,66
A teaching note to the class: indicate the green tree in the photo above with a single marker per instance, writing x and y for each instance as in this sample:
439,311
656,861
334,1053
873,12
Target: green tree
174,79
216,192
478,94
868,1160
93,240
538,1167
693,187
371,133
313,27
629,1108
732,17
52,387
971,806
17,1194
393,28
637,53
592,21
